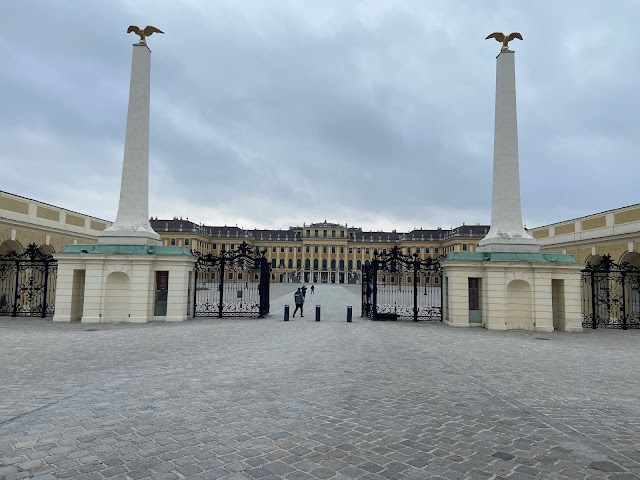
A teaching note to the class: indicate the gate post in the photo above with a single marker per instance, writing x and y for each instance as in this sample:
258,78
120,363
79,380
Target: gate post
622,306
17,294
221,284
594,322
195,291
415,287
374,273
44,293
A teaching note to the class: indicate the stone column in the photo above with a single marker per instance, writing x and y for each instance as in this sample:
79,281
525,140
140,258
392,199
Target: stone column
507,233
132,225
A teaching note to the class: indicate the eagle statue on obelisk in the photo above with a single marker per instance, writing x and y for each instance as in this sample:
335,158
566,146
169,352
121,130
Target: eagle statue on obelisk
146,32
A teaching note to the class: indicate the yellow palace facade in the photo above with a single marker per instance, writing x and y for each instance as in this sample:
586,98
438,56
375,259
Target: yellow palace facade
318,252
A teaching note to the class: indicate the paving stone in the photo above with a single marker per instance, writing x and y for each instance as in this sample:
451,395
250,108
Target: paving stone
301,400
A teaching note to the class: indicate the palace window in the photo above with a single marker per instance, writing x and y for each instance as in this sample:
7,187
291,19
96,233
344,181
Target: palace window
341,249
298,263
359,265
273,249
359,250
315,264
173,241
333,249
273,263
333,264
315,233
233,246
230,275
315,249
333,233
341,233
341,264
290,249
281,249
306,249
464,247
324,233
324,249
186,242
214,246
282,263
350,249
239,275
435,250
291,263
307,263
308,233
350,264
417,249
324,264
299,249
408,250
366,251
426,249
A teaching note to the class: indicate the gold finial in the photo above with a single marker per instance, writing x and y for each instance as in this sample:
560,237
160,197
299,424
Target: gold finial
147,32
501,37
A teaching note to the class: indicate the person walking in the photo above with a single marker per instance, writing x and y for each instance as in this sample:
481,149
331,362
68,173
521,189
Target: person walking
312,289
304,291
299,299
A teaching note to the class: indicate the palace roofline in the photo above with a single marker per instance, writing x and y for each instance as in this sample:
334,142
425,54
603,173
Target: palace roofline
293,233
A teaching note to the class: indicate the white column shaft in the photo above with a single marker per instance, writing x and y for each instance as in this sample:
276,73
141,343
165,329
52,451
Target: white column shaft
507,233
132,225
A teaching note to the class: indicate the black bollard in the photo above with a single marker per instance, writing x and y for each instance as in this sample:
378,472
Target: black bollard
317,313
349,313
286,313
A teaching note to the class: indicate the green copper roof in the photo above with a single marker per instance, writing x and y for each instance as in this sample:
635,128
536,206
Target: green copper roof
511,257
128,250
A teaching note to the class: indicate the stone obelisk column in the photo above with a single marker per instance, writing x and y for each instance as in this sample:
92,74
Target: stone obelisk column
132,225
507,233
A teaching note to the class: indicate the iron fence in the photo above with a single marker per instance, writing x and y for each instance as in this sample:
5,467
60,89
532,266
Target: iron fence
611,295
27,283
397,286
232,284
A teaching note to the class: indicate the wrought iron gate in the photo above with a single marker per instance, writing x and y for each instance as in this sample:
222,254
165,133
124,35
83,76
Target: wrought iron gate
233,284
611,295
397,286
28,283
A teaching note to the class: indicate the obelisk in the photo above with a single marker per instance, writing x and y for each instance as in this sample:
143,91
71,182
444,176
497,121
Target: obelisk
507,233
132,225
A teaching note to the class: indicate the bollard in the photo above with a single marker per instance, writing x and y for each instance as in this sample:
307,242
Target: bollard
317,313
286,313
349,313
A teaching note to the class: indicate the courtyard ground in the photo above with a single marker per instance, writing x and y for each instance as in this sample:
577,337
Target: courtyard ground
263,398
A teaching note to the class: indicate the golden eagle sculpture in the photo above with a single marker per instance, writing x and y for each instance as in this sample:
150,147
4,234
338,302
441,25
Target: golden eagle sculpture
501,37
146,32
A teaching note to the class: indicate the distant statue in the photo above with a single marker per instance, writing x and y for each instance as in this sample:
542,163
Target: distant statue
147,32
501,37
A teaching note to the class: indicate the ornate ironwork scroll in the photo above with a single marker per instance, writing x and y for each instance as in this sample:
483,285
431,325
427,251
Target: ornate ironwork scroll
398,286
27,283
611,295
233,284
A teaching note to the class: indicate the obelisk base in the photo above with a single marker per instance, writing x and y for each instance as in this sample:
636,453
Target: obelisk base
129,236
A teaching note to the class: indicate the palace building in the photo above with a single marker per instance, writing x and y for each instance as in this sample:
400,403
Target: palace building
318,252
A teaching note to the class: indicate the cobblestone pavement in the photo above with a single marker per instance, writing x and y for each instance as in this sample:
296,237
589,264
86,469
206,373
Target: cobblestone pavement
265,399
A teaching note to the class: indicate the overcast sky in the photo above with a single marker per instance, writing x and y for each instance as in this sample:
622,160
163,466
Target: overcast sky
268,114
